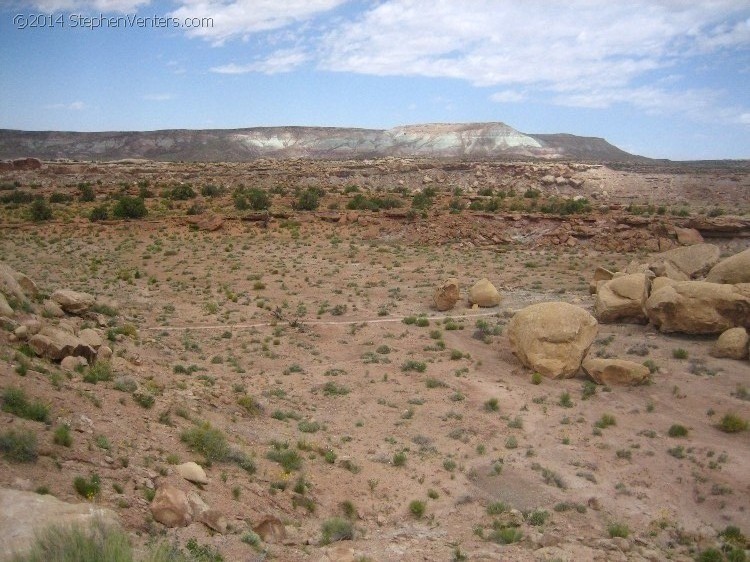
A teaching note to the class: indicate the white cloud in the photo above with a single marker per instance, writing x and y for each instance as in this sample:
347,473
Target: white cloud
744,118
75,106
240,18
123,6
284,60
157,97
508,96
596,42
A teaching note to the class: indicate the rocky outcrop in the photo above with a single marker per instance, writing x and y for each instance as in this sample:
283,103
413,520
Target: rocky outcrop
73,302
688,262
699,307
484,294
621,299
733,344
734,269
615,372
56,344
446,296
552,338
24,514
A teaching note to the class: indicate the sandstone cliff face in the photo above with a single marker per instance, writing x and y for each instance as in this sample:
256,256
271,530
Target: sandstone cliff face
468,140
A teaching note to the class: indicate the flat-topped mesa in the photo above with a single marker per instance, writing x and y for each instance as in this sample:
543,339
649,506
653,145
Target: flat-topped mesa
448,140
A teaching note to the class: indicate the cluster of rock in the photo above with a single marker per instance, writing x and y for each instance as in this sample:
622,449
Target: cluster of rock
482,294
553,338
687,290
65,341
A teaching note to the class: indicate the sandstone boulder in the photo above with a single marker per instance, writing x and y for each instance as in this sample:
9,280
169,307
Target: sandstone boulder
52,309
615,372
734,269
170,507
90,337
213,519
9,285
622,299
73,302
72,362
688,236
5,308
552,337
271,530
484,294
659,282
446,296
687,262
601,274
192,472
699,307
56,344
732,343
24,514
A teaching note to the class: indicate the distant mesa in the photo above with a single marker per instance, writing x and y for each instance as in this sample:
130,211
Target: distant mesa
444,140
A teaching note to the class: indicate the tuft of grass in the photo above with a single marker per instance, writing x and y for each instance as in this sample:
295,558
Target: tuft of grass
536,378
417,508
537,517
411,365
289,459
677,430
16,403
99,371
618,530
679,353
491,405
505,535
336,529
588,390
565,400
399,459
88,488
206,440
496,508
605,421
18,446
732,423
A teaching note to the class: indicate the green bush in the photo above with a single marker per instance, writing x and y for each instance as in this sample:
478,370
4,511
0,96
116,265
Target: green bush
677,430
181,192
206,440
287,458
254,198
308,200
99,371
16,403
417,508
87,193
505,535
211,190
88,488
18,446
336,529
130,208
618,530
99,213
732,423
40,210
63,436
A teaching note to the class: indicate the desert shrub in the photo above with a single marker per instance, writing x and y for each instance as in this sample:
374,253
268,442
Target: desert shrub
63,436
411,365
505,535
556,206
537,517
417,508
96,542
422,201
732,423
40,210
60,197
18,446
336,529
181,192
308,200
254,198
206,440
130,208
242,460
618,530
88,488
289,459
17,198
99,371
677,430
211,190
16,403
87,193
99,213
144,399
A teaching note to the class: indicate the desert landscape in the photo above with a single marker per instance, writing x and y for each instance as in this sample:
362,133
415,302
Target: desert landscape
298,359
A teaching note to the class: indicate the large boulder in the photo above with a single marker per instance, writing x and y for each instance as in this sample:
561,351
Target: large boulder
24,514
600,274
734,269
170,507
446,296
687,262
688,236
192,472
9,284
699,307
484,294
621,299
5,308
733,343
73,302
91,337
552,337
56,344
615,372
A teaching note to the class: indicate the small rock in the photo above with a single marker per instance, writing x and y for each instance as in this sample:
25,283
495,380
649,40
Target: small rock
104,353
616,372
733,344
447,295
213,519
71,362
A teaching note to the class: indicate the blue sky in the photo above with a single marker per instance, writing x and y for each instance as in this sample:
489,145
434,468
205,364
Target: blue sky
661,78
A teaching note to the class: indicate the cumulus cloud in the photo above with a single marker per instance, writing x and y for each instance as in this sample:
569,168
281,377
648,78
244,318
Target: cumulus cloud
240,18
508,96
122,6
284,60
157,97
